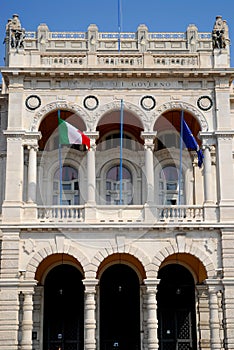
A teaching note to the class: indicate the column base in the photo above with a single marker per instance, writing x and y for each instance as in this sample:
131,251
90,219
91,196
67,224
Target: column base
90,212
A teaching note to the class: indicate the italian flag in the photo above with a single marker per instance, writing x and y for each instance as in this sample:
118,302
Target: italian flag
69,135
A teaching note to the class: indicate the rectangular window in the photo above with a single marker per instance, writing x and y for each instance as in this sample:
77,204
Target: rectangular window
66,187
172,186
108,198
66,202
76,200
108,185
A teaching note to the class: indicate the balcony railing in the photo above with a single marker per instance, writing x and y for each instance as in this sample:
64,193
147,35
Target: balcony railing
57,213
121,214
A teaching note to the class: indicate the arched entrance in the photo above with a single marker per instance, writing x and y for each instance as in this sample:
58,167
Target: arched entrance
176,309
119,309
63,309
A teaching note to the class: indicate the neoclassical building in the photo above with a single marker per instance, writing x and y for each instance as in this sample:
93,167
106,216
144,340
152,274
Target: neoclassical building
127,245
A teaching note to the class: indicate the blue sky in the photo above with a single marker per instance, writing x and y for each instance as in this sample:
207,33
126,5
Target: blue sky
76,15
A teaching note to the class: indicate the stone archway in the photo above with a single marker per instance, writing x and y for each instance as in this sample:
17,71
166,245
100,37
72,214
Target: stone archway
54,106
181,105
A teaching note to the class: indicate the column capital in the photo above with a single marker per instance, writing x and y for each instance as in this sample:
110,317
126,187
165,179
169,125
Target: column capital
148,136
214,285
151,282
90,284
32,147
93,136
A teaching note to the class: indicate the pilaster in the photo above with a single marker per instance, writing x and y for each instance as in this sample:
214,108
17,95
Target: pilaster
214,287
203,316
9,311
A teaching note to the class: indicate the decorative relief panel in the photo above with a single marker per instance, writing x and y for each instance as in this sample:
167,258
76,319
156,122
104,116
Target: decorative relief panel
33,102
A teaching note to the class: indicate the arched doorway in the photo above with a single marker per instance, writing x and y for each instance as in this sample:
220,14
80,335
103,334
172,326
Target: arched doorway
63,309
119,309
176,309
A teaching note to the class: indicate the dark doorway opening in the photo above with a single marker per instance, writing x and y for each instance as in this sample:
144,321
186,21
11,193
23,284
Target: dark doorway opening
63,309
176,309
119,309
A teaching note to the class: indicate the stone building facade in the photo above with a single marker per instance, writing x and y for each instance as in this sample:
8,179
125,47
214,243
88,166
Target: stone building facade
91,259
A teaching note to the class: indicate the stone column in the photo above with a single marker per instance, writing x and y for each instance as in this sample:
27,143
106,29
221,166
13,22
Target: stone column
32,174
210,209
207,175
90,314
91,169
215,339
27,321
148,138
152,322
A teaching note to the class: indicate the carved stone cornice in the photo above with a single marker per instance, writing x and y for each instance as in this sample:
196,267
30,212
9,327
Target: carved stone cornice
224,134
208,138
27,138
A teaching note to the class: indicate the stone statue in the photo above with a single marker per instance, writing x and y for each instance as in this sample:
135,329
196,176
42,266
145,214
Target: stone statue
219,34
15,32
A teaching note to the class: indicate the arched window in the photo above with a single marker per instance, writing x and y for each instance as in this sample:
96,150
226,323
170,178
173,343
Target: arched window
113,140
113,186
70,186
167,140
169,186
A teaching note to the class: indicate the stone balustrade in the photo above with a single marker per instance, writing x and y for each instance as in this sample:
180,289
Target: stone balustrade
121,214
93,49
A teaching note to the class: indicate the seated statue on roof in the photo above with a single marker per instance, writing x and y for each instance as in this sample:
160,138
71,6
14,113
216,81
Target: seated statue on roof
219,34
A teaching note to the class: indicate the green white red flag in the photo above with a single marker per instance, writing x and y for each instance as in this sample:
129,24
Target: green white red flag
69,135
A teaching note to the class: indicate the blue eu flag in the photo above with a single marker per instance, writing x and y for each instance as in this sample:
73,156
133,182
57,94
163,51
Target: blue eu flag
191,142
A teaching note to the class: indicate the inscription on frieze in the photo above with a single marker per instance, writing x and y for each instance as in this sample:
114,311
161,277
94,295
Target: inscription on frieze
118,84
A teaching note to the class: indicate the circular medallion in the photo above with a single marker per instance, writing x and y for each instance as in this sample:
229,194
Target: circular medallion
205,103
148,103
33,102
91,102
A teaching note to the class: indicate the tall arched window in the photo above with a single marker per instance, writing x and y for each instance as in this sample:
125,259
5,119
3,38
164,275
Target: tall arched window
169,186
70,186
113,186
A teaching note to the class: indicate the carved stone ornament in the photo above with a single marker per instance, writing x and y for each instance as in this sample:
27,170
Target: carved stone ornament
16,33
53,106
179,105
148,103
91,102
219,34
33,102
205,103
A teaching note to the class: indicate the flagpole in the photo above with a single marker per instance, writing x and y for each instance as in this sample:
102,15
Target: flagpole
181,149
121,153
119,23
60,166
